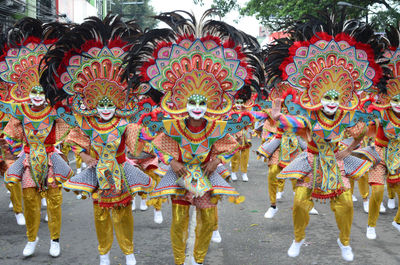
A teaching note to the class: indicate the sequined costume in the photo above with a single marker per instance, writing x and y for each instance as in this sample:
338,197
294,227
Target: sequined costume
282,148
39,167
384,110
105,114
240,160
198,76
321,62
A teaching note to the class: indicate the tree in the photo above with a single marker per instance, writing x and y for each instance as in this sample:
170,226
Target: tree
139,10
274,13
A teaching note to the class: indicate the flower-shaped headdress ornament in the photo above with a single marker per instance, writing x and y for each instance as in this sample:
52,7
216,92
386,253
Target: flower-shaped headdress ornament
392,53
86,64
209,59
26,44
327,56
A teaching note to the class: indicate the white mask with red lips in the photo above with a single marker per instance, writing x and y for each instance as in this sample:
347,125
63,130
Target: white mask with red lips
37,96
330,102
197,106
395,103
106,109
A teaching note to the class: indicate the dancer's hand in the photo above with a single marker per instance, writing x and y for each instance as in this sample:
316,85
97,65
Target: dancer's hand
88,159
210,166
178,167
276,109
3,144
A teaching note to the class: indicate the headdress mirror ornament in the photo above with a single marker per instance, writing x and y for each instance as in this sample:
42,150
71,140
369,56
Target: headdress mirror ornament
208,59
89,69
323,55
391,93
27,43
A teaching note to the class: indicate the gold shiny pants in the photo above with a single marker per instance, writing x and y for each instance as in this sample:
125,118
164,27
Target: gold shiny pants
121,219
273,182
32,205
205,224
216,219
390,191
396,189
375,203
363,186
240,158
15,196
281,184
155,202
342,206
66,149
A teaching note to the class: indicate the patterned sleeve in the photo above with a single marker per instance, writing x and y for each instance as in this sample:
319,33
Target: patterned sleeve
224,148
62,130
357,131
135,137
14,130
166,148
78,140
292,123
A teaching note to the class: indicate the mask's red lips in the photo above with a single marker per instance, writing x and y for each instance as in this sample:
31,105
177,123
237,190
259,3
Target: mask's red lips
332,106
197,112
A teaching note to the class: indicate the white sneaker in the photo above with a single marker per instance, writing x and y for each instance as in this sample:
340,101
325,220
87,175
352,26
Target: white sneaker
382,208
347,253
30,248
46,218
143,205
244,177
105,259
391,203
270,212
20,218
294,249
366,206
54,248
133,204
44,202
396,225
158,218
279,195
371,234
314,211
83,165
233,176
8,192
216,237
195,263
354,198
10,205
78,170
130,259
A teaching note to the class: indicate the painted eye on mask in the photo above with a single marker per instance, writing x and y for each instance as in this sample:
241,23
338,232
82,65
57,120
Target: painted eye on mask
202,103
192,102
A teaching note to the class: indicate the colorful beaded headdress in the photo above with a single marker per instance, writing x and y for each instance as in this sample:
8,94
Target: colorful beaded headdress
27,42
392,53
327,55
209,60
86,64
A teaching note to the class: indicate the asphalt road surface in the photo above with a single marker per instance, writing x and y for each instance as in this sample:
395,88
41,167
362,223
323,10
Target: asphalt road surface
247,237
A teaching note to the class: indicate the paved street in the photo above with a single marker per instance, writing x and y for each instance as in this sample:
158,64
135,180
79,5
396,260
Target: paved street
247,237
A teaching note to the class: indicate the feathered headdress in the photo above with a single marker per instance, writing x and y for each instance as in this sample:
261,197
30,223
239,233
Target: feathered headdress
208,58
392,53
327,53
86,64
21,52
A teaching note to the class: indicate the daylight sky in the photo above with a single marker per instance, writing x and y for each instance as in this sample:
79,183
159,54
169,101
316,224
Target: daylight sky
249,25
